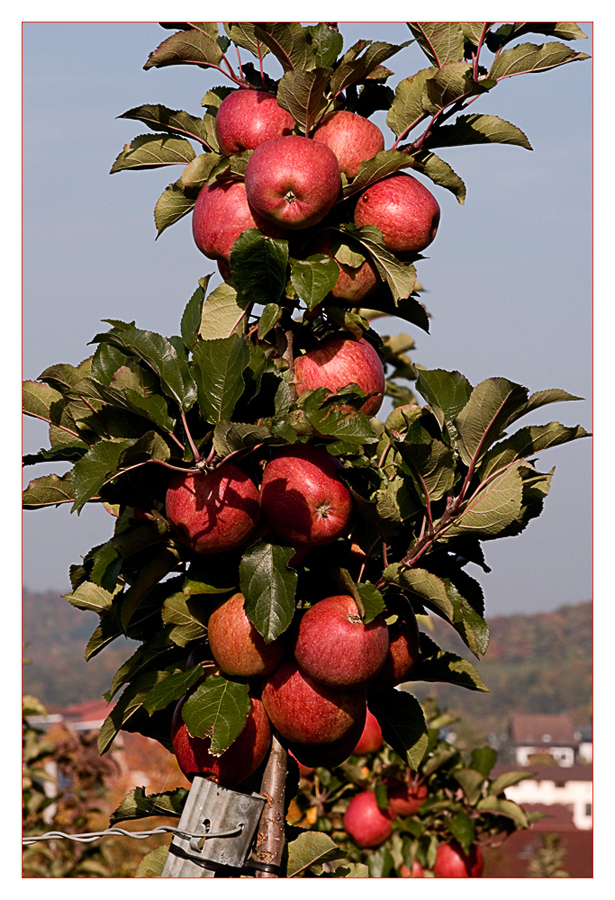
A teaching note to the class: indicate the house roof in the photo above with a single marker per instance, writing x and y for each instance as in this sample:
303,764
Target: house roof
88,711
542,729
546,773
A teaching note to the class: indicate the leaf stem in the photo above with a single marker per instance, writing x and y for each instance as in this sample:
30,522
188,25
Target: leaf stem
197,456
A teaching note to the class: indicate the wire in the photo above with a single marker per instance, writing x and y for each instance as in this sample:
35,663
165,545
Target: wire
139,835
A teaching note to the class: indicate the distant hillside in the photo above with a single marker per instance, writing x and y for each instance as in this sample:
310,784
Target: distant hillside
55,635
535,663
540,663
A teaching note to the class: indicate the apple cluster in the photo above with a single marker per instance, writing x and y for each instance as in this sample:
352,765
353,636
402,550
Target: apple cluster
311,683
293,182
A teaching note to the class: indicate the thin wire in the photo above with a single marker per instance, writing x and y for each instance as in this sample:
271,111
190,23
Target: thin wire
139,835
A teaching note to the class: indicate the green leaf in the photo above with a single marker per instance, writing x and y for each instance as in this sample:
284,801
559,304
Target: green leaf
380,863
258,266
483,760
424,584
503,808
289,42
461,825
218,709
219,368
467,621
127,706
191,318
478,129
403,725
527,441
269,586
270,317
408,309
447,393
310,848
176,121
441,42
39,399
386,162
436,665
399,276
334,415
432,464
149,151
313,278
175,202
243,34
48,490
526,58
359,61
161,356
493,508
232,436
92,597
407,109
372,600
471,782
491,406
439,172
328,42
93,470
448,85
194,177
507,780
302,94
152,864
542,398
139,805
185,618
172,688
197,47
223,313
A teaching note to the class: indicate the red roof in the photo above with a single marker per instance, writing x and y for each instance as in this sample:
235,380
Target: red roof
88,711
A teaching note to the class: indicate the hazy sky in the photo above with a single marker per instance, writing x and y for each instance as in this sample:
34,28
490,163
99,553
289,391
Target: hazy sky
508,278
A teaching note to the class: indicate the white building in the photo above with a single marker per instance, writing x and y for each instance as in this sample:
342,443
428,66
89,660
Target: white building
569,786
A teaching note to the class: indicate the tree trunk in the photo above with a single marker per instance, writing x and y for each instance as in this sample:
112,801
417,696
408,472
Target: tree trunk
271,838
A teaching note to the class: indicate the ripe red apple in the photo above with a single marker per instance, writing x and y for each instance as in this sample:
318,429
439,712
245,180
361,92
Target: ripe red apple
417,870
405,797
403,209
310,715
365,823
214,511
302,497
235,643
371,737
353,284
335,647
233,766
293,181
452,862
352,138
247,118
329,754
221,213
339,362
402,655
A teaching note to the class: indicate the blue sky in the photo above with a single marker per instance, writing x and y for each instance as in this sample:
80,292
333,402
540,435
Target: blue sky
508,280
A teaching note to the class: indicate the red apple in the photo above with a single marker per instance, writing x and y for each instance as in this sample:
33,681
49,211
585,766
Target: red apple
233,766
339,362
235,643
371,738
329,754
214,511
302,497
352,138
405,797
310,715
353,284
221,213
452,862
247,118
293,181
417,870
403,209
365,823
402,655
335,647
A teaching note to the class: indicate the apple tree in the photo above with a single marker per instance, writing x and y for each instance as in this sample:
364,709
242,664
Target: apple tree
274,539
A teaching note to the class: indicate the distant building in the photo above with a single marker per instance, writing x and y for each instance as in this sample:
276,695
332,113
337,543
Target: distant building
553,786
535,737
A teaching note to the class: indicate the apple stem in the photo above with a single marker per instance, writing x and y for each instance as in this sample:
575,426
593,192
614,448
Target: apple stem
195,452
270,840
